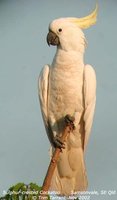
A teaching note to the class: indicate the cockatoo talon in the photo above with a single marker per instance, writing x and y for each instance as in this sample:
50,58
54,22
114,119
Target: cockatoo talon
69,120
58,143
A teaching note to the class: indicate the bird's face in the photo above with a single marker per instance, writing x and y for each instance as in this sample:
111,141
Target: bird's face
66,35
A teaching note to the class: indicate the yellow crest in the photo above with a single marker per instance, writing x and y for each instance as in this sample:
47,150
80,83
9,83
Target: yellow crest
86,22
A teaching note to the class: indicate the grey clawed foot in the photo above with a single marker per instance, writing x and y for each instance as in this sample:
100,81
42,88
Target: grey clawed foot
69,120
58,143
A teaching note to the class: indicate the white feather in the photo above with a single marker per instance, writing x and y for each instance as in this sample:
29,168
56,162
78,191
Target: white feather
43,86
68,87
90,100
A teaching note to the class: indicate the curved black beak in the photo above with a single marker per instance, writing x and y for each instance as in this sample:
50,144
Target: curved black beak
52,39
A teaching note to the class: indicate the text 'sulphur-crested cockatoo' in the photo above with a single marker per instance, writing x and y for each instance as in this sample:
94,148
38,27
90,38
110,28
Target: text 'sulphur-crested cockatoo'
68,87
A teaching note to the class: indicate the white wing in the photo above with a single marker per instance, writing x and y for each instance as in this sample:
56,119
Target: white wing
89,100
43,86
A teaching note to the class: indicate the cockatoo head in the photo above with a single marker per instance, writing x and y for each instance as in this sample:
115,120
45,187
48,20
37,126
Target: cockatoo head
67,34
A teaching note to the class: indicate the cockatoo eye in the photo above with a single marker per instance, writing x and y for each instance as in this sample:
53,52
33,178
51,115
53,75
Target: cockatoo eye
60,29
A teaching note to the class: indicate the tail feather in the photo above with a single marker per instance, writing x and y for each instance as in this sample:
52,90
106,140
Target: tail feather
66,184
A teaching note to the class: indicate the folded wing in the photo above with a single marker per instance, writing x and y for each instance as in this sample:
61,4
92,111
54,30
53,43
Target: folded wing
89,100
43,87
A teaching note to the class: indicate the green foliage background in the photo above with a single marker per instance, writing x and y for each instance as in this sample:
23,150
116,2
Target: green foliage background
21,191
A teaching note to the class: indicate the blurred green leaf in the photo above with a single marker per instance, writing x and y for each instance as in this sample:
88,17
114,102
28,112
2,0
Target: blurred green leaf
21,191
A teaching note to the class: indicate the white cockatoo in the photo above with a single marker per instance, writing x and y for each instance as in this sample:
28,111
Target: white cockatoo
68,87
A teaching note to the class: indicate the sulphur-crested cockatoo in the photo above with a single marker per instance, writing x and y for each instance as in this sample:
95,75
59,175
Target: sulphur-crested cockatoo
68,87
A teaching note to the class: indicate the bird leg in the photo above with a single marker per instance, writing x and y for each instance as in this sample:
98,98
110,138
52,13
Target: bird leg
69,122
58,143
